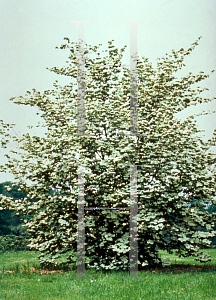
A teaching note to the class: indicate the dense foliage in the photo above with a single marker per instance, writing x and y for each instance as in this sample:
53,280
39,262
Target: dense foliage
175,166
13,236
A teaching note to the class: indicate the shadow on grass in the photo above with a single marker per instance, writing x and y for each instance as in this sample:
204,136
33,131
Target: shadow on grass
180,268
173,268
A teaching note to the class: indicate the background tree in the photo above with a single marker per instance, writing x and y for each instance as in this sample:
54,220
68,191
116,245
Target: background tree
13,236
175,166
210,209
9,222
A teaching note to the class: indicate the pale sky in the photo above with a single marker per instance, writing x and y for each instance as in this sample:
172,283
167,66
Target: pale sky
30,31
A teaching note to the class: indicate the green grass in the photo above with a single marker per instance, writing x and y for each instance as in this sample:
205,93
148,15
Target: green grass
158,285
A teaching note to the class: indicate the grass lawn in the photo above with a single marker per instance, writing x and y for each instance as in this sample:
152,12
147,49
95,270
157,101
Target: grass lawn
21,278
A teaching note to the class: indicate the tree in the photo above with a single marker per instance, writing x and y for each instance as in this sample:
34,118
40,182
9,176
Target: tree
211,208
174,164
9,222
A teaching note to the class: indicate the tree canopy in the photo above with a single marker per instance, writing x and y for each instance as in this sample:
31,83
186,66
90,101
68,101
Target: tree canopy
175,167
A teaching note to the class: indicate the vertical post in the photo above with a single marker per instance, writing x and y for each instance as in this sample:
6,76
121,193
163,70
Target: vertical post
81,132
133,253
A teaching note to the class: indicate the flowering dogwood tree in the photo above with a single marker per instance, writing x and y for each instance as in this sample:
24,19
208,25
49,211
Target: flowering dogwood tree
174,166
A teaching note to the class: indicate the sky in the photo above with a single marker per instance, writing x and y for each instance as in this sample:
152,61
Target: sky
30,31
